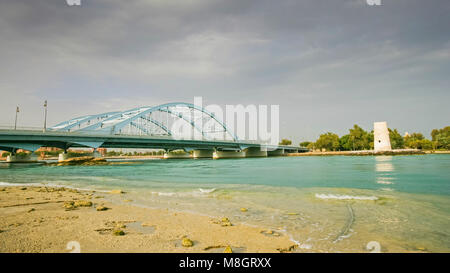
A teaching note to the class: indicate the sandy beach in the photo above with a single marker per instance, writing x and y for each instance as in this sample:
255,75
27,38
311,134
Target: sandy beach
45,219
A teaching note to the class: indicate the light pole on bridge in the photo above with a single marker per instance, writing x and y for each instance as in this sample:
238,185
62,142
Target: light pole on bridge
15,121
45,115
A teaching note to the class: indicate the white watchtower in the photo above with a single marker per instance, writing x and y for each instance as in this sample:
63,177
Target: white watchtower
381,138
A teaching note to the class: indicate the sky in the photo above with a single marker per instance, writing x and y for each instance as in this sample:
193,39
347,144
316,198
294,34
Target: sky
328,64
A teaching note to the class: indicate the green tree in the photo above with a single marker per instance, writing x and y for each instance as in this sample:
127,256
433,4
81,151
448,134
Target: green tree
304,143
328,141
426,144
441,138
397,141
285,141
360,139
370,140
414,140
344,143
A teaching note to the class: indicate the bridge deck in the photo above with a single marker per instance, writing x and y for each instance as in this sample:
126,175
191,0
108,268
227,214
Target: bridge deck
10,139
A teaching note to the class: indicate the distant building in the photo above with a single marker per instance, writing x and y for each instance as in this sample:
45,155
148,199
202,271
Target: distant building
102,151
48,149
381,138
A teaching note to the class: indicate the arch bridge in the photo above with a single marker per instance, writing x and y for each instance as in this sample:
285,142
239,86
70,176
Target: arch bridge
192,121
170,126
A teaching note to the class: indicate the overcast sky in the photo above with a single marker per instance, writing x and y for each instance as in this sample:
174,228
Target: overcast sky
328,63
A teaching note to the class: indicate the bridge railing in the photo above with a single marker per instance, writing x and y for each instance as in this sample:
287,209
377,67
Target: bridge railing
23,128
100,133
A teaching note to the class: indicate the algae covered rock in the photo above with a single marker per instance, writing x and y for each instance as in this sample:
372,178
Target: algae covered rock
186,242
287,249
82,203
225,222
98,159
228,250
118,232
82,160
101,208
75,161
69,205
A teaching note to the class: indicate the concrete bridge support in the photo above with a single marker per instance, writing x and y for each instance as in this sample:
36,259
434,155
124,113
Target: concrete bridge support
202,153
278,152
21,158
255,152
228,154
96,154
176,155
63,156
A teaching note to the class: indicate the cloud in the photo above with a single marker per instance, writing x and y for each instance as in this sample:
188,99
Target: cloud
326,63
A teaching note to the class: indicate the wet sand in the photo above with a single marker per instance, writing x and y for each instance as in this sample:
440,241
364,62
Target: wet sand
45,219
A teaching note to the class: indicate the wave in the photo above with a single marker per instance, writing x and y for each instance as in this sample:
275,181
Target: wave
347,231
164,193
206,190
384,182
8,184
194,193
345,197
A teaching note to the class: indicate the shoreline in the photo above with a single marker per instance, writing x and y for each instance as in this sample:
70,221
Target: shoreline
369,153
329,153
46,219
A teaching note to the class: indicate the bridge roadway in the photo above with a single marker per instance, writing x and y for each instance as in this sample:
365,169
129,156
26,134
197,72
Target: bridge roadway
31,140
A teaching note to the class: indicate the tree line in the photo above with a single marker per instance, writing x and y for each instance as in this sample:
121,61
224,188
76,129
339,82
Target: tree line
359,139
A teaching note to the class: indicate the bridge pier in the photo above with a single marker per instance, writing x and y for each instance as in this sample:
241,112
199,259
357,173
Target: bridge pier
63,156
255,152
176,155
21,158
96,154
203,153
277,152
228,154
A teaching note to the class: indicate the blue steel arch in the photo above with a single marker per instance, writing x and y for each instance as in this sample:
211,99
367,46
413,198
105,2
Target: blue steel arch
114,122
68,125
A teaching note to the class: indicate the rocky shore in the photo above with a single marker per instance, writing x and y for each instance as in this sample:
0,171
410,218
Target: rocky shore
362,153
49,219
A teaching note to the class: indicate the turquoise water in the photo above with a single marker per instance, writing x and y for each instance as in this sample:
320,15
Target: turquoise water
335,203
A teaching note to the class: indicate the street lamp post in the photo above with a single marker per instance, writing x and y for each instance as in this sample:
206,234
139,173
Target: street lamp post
15,121
45,115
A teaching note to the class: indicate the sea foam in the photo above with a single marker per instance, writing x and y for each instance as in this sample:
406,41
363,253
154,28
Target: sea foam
207,190
385,182
345,197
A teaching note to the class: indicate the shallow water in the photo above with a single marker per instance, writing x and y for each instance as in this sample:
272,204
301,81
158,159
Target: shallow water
329,204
